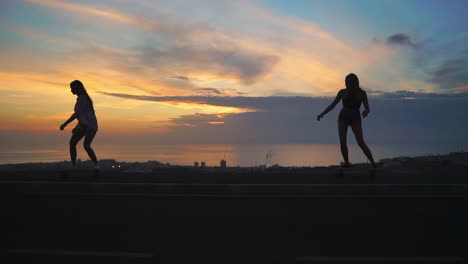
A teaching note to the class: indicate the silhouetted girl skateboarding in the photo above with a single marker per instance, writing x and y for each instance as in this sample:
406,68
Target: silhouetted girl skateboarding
352,98
87,123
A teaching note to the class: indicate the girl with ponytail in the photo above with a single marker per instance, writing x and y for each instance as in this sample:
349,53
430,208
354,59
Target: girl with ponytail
87,123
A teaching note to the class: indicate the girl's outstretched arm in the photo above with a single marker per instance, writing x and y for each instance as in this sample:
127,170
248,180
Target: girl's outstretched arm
72,117
331,106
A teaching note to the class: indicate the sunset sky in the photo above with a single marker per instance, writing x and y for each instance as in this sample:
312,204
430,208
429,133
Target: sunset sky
253,70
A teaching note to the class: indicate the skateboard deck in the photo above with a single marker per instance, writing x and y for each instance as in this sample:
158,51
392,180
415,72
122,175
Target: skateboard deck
79,173
341,172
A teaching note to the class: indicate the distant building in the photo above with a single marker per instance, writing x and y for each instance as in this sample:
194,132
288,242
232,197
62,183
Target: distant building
203,165
195,164
223,164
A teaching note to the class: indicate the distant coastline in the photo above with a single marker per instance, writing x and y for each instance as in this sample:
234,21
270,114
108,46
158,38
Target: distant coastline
460,158
243,155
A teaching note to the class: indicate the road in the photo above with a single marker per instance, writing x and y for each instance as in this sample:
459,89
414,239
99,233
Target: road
85,220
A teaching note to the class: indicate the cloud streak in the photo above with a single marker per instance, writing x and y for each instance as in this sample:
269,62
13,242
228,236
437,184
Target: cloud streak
402,40
283,103
392,120
124,18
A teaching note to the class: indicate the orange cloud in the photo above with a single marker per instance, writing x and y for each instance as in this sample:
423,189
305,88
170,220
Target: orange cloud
109,14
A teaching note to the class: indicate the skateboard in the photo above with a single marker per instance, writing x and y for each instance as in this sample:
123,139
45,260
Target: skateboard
80,173
356,170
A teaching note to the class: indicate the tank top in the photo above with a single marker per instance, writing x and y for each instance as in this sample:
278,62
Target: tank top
84,113
350,101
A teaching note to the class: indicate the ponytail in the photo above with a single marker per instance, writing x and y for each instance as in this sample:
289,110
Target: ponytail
80,90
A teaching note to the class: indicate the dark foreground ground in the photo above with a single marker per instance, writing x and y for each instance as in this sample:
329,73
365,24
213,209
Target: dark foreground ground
405,215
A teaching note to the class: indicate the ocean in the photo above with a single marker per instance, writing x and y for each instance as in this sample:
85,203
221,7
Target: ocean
244,155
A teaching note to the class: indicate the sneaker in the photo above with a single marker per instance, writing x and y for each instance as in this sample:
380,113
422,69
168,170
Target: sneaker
345,164
71,166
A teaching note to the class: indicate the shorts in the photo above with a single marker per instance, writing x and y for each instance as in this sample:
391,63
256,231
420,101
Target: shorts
83,130
350,116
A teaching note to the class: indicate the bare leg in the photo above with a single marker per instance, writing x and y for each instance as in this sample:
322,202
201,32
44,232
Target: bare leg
76,137
87,146
357,130
342,132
